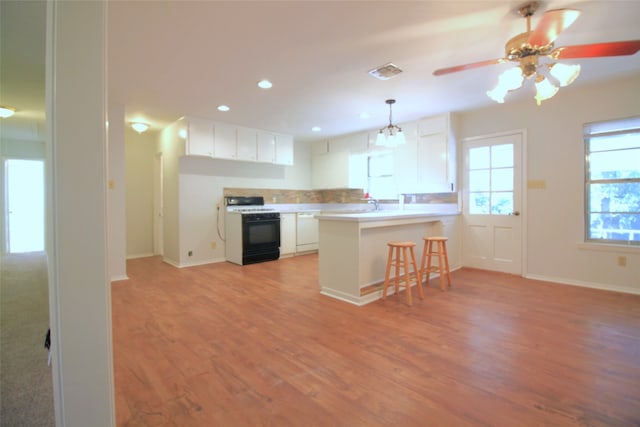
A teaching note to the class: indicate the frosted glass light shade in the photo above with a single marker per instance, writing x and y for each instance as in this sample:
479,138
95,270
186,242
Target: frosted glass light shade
544,89
564,74
139,127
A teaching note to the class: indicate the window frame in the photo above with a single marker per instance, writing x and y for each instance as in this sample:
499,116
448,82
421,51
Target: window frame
610,128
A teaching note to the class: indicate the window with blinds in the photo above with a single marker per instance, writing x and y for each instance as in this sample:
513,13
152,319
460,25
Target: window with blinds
612,181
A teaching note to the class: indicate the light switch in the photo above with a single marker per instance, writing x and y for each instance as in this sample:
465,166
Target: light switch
536,184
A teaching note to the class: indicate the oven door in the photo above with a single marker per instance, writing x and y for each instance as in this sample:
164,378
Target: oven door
260,237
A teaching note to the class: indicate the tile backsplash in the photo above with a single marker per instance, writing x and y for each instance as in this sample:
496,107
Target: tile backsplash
340,195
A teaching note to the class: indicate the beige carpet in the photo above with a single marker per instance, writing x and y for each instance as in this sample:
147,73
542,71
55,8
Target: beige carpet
26,391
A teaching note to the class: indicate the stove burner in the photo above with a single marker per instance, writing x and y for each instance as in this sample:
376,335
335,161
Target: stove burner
252,209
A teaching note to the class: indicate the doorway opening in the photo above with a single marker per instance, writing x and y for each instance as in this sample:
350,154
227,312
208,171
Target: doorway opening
24,206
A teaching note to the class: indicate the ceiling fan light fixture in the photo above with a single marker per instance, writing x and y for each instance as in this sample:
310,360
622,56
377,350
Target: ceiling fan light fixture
509,80
544,89
565,74
390,135
497,94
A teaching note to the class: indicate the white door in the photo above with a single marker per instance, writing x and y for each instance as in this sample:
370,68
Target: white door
158,206
492,202
24,205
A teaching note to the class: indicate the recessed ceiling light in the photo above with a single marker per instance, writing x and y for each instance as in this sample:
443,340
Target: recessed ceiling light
316,129
265,84
139,126
6,111
364,116
223,108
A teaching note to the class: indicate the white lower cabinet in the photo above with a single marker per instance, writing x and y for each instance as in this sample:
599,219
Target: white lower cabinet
287,234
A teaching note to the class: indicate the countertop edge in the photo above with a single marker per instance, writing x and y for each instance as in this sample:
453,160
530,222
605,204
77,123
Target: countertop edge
381,215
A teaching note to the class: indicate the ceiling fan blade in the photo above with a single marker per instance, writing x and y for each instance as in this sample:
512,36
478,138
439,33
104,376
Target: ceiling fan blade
552,23
470,66
628,47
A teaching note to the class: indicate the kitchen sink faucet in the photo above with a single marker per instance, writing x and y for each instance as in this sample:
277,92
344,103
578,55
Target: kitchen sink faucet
375,202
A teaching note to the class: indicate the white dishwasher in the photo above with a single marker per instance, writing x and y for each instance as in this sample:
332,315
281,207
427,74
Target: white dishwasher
306,232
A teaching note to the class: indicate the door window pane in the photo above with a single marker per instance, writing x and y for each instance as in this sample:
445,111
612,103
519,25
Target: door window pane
479,158
502,156
479,203
479,180
491,180
502,203
502,179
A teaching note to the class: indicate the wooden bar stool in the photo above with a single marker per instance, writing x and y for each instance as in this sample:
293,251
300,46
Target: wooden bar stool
401,260
440,251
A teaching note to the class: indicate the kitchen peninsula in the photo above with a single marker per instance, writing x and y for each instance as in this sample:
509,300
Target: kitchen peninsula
353,248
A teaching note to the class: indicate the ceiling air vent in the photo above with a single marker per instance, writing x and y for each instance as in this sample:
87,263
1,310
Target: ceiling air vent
386,71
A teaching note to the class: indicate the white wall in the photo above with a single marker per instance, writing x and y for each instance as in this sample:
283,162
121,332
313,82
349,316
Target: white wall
202,181
555,215
79,285
140,152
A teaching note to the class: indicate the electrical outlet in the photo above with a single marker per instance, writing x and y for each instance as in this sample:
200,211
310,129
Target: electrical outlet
213,245
190,253
622,261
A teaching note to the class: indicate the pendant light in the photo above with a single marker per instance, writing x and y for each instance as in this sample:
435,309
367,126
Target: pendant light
391,135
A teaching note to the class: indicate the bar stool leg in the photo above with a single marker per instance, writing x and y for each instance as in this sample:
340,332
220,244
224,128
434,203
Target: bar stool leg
396,281
407,278
387,273
446,262
416,272
441,265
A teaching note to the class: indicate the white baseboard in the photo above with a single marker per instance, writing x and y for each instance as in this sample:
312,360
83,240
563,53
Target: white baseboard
592,285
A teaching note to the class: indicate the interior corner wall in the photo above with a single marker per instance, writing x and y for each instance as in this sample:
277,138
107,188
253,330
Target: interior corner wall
201,185
140,152
172,148
554,217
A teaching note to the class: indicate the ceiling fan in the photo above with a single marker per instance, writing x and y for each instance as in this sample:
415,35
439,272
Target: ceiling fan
527,48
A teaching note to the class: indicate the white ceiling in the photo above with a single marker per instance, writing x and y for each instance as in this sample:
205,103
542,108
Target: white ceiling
167,59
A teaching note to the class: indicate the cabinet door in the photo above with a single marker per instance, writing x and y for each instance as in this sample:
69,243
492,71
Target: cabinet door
433,163
199,137
224,142
287,234
266,147
247,144
284,150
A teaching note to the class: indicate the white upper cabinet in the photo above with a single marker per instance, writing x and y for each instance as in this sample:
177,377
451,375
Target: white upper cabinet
284,150
266,147
199,137
247,144
224,141
436,155
275,148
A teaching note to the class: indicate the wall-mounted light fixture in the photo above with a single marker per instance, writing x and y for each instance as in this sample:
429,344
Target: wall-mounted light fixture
6,111
139,126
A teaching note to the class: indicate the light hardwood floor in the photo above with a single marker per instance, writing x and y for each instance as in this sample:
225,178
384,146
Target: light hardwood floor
224,345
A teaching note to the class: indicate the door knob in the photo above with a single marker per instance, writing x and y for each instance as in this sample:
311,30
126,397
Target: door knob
515,213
